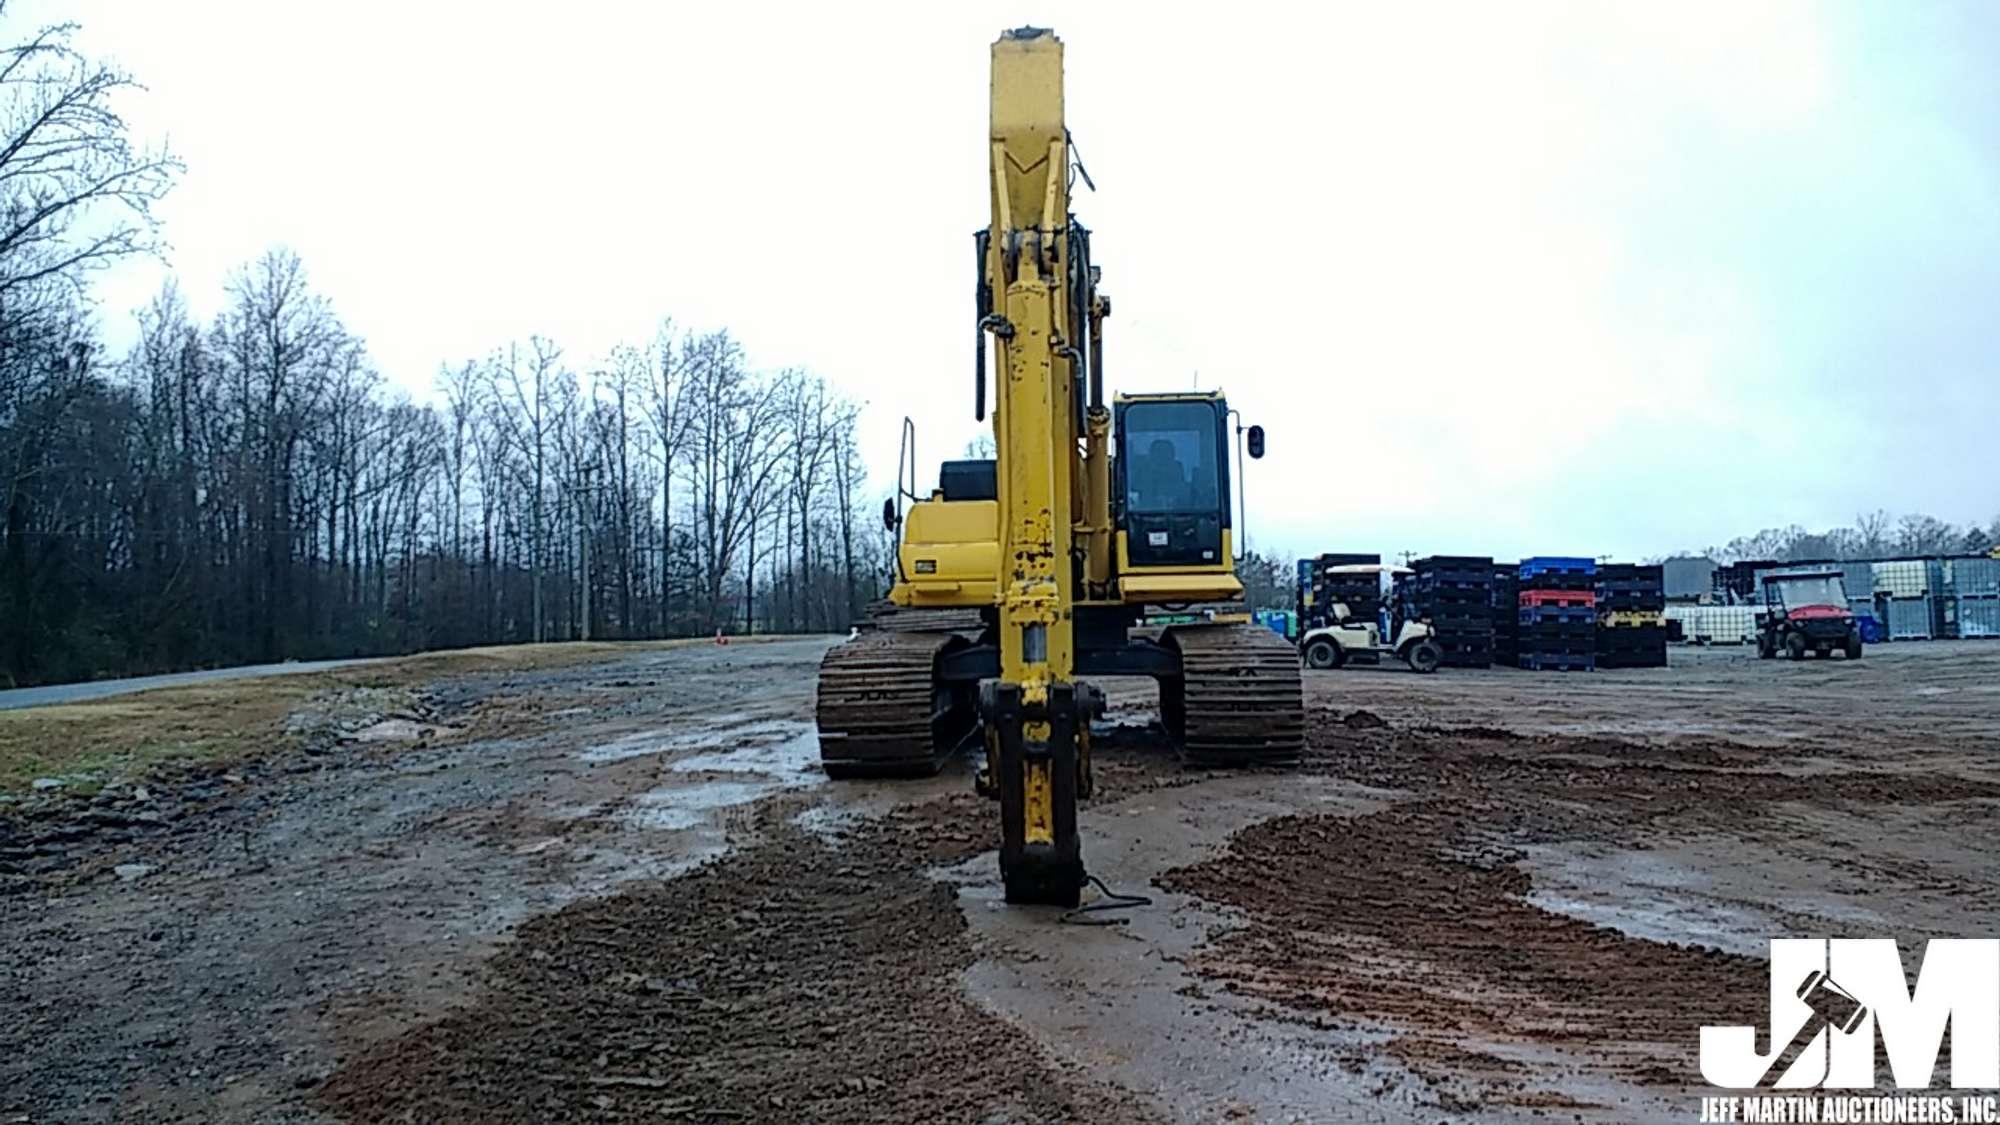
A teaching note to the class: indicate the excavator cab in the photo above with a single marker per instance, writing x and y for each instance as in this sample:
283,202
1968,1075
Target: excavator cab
1170,498
1171,480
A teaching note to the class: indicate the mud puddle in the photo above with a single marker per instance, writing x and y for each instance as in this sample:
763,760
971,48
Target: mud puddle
1117,998
711,736
709,773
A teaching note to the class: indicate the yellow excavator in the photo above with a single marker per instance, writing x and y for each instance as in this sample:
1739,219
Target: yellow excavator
1019,574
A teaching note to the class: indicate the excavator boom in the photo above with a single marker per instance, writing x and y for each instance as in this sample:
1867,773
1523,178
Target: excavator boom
1032,709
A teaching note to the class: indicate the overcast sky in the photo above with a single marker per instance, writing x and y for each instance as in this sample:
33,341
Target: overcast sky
1497,279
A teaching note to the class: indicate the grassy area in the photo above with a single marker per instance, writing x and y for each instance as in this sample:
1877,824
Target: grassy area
99,740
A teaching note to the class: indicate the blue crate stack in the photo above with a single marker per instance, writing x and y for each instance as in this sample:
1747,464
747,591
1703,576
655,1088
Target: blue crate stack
1557,613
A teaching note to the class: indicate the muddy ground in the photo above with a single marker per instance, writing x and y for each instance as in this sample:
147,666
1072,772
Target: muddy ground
622,892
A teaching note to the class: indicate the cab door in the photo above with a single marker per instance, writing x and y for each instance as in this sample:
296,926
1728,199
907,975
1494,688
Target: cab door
1173,482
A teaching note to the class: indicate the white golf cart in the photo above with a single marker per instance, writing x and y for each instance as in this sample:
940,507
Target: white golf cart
1363,642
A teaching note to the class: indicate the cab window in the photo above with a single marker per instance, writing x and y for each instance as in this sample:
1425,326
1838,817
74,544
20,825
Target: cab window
1171,464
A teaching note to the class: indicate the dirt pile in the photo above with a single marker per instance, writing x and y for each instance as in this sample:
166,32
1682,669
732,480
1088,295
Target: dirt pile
1553,787
1411,919
797,979
1417,918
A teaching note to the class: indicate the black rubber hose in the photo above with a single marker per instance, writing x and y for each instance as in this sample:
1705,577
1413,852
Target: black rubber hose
1112,900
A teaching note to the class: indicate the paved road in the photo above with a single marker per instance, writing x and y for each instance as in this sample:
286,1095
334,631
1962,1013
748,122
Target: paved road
99,689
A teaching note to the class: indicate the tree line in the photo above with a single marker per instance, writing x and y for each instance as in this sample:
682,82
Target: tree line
251,488
1873,535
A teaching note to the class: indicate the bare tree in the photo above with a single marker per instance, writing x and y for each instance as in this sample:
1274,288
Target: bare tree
1267,582
665,372
848,475
75,193
460,386
810,440
1872,533
613,436
286,343
739,446
526,400
1920,534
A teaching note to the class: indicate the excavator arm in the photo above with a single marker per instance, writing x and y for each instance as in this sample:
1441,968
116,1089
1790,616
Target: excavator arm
1036,717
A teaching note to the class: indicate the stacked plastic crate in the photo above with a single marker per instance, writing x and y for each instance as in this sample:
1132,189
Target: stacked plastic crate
1505,613
1975,594
1631,628
1557,614
1455,592
1361,593
1736,584
1318,591
1903,590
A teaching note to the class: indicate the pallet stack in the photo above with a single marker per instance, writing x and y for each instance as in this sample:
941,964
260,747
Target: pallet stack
1504,611
1631,630
1557,613
1362,593
1455,592
1737,584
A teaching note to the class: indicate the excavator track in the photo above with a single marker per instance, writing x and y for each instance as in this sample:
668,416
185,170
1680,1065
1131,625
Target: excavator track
882,711
1239,701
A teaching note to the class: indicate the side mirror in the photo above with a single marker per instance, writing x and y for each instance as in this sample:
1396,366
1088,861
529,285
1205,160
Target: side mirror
1256,436
889,517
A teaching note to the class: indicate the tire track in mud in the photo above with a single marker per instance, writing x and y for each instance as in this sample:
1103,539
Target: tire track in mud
1416,919
797,979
